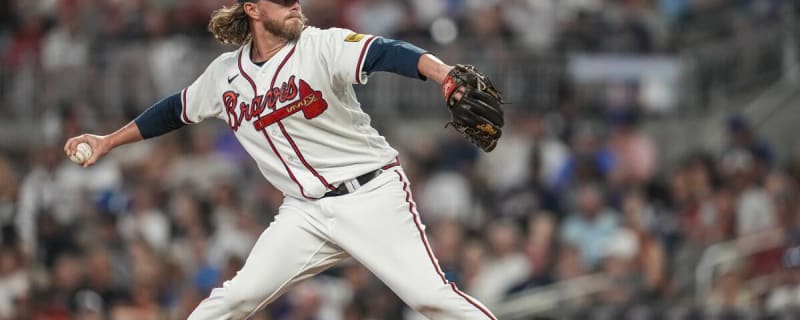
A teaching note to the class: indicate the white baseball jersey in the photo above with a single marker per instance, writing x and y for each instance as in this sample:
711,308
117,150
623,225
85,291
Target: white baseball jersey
297,115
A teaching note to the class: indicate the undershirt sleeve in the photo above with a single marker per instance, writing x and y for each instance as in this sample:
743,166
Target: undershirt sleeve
162,117
394,56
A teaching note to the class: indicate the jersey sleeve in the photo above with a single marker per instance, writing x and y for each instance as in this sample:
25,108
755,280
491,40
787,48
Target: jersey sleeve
348,51
198,100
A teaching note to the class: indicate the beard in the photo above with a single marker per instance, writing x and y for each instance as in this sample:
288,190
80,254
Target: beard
287,29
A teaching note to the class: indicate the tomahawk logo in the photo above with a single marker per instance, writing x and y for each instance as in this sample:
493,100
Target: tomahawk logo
310,102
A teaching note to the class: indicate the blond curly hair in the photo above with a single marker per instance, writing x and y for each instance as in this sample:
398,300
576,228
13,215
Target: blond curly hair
230,25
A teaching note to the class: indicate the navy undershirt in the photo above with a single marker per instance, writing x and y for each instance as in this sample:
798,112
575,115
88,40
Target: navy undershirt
386,55
260,64
394,56
162,117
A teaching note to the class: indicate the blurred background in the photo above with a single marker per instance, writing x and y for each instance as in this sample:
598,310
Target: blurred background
649,167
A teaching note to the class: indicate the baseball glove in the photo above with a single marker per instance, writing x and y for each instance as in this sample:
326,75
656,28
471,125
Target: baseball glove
477,111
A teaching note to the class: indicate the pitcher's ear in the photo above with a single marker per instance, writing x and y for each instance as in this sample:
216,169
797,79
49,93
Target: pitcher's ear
251,10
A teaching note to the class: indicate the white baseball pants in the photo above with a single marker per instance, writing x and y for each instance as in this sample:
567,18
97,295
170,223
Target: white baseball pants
378,225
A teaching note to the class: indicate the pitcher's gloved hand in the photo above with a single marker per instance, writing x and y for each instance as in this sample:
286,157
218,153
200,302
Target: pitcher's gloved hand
475,106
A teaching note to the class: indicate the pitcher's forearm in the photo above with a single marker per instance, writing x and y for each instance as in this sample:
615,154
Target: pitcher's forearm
433,68
127,134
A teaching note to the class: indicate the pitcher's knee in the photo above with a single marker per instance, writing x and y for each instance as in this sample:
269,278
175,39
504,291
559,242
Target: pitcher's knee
429,304
446,303
241,304
228,303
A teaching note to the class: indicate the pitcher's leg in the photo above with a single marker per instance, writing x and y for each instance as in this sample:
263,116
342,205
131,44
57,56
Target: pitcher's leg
380,227
288,251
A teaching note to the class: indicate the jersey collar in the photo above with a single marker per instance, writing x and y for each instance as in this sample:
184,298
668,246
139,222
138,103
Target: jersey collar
247,61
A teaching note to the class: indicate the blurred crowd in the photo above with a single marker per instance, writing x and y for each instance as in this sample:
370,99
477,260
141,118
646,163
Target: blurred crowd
123,54
571,25
147,232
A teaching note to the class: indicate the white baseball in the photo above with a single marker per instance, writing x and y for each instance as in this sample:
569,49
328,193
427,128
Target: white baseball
82,153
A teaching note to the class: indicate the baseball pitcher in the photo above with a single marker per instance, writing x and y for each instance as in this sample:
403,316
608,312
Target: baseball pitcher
287,93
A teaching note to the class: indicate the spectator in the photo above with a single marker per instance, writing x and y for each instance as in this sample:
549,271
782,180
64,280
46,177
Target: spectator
590,161
103,279
754,210
236,229
728,295
66,280
142,305
471,265
540,249
590,226
742,137
650,259
65,55
45,192
146,220
529,197
89,306
25,45
539,15
620,266
569,267
447,241
785,293
168,55
505,266
305,301
203,168
9,189
634,153
14,280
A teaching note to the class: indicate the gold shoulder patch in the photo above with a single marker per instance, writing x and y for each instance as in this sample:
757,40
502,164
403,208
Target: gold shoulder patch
354,37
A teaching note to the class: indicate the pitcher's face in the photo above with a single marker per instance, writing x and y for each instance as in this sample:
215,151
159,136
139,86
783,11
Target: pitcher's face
283,18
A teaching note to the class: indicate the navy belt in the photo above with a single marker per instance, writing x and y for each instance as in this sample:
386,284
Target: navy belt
352,185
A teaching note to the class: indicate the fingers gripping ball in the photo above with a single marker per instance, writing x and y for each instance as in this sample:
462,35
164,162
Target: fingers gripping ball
475,106
82,153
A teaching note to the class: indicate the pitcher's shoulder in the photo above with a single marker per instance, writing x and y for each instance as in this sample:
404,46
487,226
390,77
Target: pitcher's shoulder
314,33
